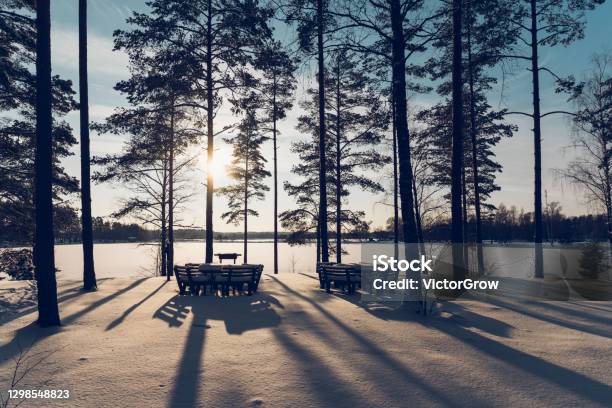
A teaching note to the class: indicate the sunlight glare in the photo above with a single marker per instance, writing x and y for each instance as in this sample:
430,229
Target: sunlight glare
218,166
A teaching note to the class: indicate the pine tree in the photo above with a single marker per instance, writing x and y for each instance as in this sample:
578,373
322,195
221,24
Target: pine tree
33,139
315,26
435,129
276,85
544,23
218,38
356,120
89,274
247,169
158,122
44,259
591,171
144,168
18,124
397,31
162,80
486,33
459,262
303,221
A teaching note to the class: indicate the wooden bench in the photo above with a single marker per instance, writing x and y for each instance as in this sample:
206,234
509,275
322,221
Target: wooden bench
344,276
320,266
236,277
184,276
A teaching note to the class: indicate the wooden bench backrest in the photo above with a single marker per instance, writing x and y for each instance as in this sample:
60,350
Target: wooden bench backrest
241,271
340,272
180,272
184,273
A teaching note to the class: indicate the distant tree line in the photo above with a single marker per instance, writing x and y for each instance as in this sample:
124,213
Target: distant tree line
510,226
504,225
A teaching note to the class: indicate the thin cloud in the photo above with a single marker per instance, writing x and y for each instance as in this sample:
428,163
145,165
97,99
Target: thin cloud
103,61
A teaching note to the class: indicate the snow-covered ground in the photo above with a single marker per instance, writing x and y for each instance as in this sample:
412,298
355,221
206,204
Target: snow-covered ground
136,343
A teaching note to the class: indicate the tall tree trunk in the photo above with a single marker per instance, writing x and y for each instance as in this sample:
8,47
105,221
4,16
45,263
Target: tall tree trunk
609,209
409,230
89,274
466,258
170,246
210,137
163,235
457,152
417,216
473,136
318,242
608,198
537,145
246,205
338,173
322,137
395,190
609,219
44,259
275,174
403,136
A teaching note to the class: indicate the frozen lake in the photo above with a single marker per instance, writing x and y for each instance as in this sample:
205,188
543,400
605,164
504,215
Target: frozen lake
137,259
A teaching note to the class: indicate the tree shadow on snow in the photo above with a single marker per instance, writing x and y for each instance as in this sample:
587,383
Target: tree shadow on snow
555,313
330,390
65,293
566,379
239,314
32,333
129,310
454,311
458,323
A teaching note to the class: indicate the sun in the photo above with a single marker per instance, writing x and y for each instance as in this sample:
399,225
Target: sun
218,166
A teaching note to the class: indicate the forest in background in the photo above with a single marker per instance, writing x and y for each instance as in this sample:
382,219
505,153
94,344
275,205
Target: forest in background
508,225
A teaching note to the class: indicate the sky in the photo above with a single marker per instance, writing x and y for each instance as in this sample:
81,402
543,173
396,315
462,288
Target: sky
106,68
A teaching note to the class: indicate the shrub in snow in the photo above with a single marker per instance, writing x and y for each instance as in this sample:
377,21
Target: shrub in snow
17,264
592,261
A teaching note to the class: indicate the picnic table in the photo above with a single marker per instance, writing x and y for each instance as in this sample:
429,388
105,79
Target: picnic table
227,255
197,278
